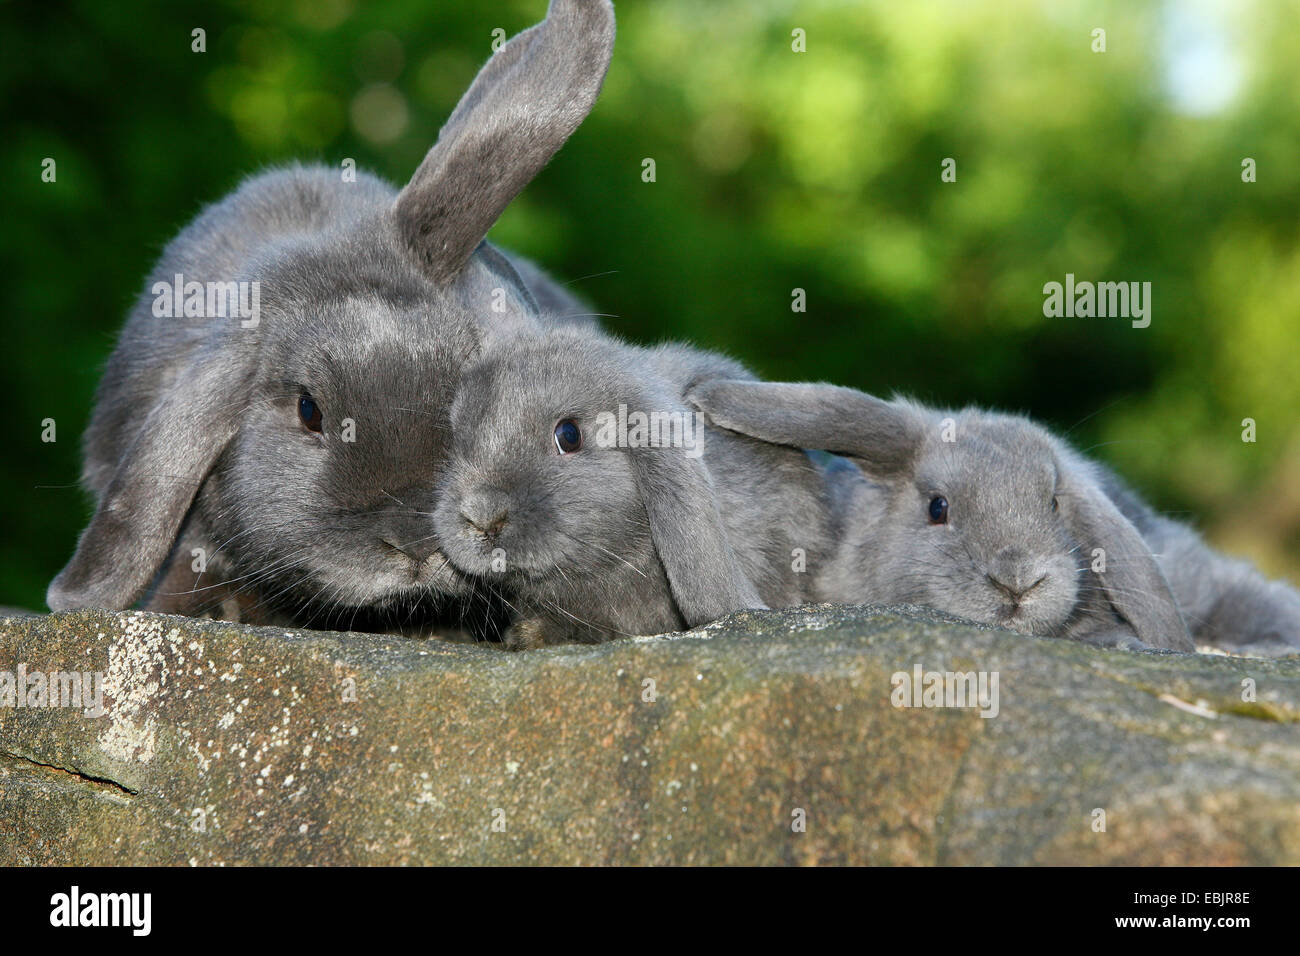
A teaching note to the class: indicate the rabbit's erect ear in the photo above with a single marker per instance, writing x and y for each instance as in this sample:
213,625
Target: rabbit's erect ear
706,579
525,102
883,436
1134,583
135,526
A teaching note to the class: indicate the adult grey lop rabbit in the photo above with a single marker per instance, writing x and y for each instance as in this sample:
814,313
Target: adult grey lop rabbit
584,492
992,518
282,466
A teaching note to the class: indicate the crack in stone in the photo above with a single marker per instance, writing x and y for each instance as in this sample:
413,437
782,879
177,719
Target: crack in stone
112,786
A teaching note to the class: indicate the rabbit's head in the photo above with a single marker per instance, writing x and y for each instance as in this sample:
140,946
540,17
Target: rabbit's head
983,515
326,486
549,496
307,440
979,521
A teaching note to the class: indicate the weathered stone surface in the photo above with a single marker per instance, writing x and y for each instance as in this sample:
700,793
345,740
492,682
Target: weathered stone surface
225,744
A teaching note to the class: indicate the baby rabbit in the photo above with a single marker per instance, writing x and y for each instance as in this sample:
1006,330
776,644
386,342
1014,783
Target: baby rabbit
279,465
991,518
589,530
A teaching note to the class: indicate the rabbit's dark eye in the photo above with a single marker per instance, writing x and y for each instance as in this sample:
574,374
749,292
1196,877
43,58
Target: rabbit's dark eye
309,412
938,510
568,436
1056,505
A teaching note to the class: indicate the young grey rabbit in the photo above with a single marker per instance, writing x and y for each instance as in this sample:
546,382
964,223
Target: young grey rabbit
986,516
281,465
587,530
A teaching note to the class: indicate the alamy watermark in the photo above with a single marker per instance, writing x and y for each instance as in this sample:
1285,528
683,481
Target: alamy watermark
1103,300
636,429
133,911
208,300
960,689
23,687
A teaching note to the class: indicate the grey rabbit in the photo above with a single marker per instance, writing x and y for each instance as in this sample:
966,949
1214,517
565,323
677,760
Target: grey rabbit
992,518
281,467
589,532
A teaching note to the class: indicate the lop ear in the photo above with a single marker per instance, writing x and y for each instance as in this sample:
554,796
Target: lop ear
525,102
1134,583
512,283
706,579
883,436
492,292
139,515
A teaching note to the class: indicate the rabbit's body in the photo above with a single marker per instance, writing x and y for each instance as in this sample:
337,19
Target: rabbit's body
1227,603
773,501
280,464
991,517
985,516
607,539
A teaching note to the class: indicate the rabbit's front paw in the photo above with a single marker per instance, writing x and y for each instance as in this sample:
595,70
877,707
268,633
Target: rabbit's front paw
526,635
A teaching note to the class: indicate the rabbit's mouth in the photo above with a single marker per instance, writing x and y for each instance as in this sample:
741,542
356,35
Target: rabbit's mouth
478,560
1013,617
437,571
500,554
408,576
1027,615
1029,618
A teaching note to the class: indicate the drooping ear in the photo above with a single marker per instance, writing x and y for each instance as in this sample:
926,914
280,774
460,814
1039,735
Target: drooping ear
1134,583
525,102
492,292
559,303
706,579
512,282
138,517
883,436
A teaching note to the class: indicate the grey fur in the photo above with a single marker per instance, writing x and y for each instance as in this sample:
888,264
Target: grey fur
372,301
523,105
1001,475
617,540
1226,601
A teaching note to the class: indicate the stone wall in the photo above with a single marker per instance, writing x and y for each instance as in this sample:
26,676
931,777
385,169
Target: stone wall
766,738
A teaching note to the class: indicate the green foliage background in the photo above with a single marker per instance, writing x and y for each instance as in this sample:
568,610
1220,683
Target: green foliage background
775,170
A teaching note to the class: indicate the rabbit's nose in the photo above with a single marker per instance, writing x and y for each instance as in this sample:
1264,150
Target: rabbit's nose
486,510
1013,573
1016,589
